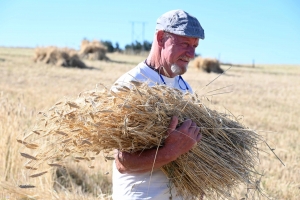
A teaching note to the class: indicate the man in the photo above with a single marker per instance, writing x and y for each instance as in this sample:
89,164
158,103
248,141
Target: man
138,175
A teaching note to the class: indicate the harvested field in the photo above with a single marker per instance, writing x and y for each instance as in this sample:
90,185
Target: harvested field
262,98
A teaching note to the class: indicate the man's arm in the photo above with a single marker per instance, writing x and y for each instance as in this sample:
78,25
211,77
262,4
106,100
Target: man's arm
178,142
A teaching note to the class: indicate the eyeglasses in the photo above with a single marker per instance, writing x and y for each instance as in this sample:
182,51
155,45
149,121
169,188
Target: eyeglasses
180,78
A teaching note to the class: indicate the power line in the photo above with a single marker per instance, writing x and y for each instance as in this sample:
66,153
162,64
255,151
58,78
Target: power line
133,34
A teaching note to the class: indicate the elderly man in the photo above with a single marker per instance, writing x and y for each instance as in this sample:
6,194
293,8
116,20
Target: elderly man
138,175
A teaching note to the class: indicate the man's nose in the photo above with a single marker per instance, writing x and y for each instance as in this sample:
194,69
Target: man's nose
190,52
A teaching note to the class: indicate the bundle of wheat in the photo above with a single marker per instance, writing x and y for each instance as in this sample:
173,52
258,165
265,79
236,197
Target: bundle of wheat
40,54
58,56
207,64
93,50
137,118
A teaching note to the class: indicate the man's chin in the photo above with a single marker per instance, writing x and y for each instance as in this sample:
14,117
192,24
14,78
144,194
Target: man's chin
177,70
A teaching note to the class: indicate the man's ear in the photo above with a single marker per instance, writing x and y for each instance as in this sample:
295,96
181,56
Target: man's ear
160,38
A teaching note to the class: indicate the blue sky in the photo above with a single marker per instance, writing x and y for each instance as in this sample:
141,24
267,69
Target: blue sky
236,31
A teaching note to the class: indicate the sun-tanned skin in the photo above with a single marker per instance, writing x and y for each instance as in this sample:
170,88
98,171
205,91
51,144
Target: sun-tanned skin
170,55
172,50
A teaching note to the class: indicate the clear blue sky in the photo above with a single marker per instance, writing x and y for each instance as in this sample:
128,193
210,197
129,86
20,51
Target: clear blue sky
237,31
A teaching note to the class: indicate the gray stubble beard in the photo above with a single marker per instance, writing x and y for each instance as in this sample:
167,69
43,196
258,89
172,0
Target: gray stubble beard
177,70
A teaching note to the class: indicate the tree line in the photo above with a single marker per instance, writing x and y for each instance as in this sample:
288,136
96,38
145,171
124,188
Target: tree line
134,46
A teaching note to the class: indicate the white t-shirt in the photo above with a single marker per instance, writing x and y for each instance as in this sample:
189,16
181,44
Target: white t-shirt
144,186
144,73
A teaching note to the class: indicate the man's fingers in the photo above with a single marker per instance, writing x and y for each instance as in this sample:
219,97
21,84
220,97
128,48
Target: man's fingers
193,126
199,135
186,124
188,128
173,124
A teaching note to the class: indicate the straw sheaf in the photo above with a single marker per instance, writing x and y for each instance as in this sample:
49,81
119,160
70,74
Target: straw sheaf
207,64
137,118
93,50
58,56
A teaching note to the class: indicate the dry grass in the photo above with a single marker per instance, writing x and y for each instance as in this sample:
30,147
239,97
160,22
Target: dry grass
263,98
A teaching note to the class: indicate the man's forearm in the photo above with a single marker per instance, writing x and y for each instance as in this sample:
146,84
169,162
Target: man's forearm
143,161
179,141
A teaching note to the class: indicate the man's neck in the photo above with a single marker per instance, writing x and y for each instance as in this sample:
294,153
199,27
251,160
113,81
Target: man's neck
158,68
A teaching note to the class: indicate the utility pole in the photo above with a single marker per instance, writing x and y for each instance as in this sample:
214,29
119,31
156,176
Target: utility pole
133,35
132,32
143,38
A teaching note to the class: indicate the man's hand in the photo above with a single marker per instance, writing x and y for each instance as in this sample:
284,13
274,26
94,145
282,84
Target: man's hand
182,139
179,141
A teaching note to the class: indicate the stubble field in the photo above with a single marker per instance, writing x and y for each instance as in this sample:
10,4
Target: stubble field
264,98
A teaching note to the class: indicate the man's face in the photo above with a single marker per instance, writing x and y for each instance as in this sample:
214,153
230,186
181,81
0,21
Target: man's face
177,53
